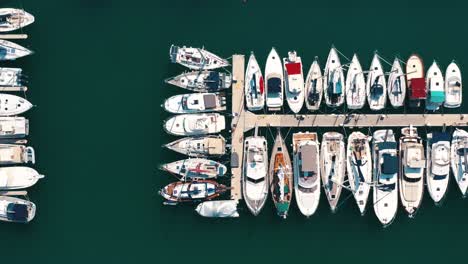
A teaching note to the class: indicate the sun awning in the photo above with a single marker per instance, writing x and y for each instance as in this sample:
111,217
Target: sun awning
437,96
293,68
418,88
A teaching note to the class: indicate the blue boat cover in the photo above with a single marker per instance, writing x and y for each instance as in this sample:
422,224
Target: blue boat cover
387,145
390,164
17,212
440,136
274,85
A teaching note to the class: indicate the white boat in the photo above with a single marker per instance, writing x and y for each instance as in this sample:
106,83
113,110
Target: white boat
202,81
12,51
254,85
459,159
435,87
438,164
306,160
10,77
195,168
412,167
416,84
333,166
195,124
385,163
274,81
191,191
11,105
396,85
453,86
16,210
294,81
195,103
376,85
13,127
218,209
314,86
14,178
255,176
16,154
196,58
355,85
212,145
359,168
333,80
13,19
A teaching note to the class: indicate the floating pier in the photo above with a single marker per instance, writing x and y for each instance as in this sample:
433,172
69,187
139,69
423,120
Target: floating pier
13,36
13,88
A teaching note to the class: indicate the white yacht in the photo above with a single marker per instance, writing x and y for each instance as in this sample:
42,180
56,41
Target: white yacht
412,167
274,81
355,85
396,85
195,103
202,81
306,160
333,80
16,154
211,145
294,81
14,178
13,127
459,159
255,176
453,86
10,77
11,105
254,85
13,19
333,166
16,210
196,58
195,124
438,164
359,168
218,209
376,85
385,163
195,168
314,87
435,87
12,51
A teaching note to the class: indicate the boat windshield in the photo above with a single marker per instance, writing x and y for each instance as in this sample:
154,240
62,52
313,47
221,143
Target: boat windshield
274,86
17,212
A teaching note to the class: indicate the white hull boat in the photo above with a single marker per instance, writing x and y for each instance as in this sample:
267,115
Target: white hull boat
396,85
218,209
16,154
191,191
438,165
195,124
376,85
274,79
212,145
333,80
333,166
11,105
254,85
355,85
201,81
294,81
196,168
435,87
13,127
306,161
459,159
416,84
12,51
12,19
453,86
314,87
14,178
195,103
16,210
255,177
10,77
196,58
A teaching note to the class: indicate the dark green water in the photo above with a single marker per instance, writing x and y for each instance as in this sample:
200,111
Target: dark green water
97,80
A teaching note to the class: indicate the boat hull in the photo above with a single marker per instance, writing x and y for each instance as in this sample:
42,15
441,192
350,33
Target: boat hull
314,87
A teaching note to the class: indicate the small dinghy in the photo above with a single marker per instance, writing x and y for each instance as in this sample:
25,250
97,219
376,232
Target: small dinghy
16,210
332,163
196,58
195,124
453,86
254,85
196,168
16,154
218,209
202,81
359,168
10,77
415,80
438,164
333,80
396,85
213,145
385,163
14,178
314,87
294,81
435,87
13,19
459,159
11,105
195,103
274,81
306,160
412,167
192,191
355,85
281,177
376,85
255,177
13,127
12,51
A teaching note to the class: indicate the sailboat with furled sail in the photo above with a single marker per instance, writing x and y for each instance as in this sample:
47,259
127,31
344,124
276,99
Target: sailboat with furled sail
355,85
333,80
396,85
314,87
254,85
376,85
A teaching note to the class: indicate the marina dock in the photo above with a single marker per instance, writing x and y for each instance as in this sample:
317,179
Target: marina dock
13,36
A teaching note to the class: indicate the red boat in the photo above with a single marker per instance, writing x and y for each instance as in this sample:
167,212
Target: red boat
415,80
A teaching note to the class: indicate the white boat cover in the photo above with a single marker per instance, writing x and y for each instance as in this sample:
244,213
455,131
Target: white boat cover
220,208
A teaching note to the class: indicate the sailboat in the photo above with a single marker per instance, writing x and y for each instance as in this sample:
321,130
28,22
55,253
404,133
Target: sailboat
281,177
359,168
435,87
376,85
211,145
355,85
196,168
195,103
12,51
333,166
294,81
437,164
396,85
385,163
415,80
306,160
196,58
412,167
333,80
254,85
459,159
13,19
453,86
274,81
192,191
314,87
202,81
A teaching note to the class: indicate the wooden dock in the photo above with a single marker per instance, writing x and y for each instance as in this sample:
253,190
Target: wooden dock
13,36
13,88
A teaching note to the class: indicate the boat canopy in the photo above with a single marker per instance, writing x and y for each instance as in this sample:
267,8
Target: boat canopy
4,18
390,164
274,85
418,88
437,96
210,101
387,145
308,164
293,68
440,136
17,212
212,81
